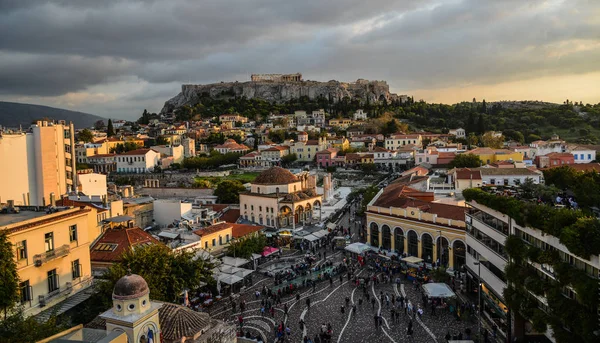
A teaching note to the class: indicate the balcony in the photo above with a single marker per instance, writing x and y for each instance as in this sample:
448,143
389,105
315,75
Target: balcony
62,251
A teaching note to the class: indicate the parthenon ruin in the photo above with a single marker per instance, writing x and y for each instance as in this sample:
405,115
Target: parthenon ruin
276,77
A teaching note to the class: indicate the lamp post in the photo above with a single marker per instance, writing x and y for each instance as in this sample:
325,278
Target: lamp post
439,243
231,242
479,287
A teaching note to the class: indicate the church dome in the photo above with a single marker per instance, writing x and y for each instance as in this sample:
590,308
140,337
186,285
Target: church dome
130,286
275,176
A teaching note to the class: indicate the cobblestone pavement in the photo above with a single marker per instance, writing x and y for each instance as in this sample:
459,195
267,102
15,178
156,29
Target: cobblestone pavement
348,326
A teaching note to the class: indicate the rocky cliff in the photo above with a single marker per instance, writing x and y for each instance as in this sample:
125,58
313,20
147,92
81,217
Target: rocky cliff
374,91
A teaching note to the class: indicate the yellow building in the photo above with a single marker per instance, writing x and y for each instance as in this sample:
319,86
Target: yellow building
83,151
52,254
489,155
215,238
112,142
407,221
343,123
278,198
340,143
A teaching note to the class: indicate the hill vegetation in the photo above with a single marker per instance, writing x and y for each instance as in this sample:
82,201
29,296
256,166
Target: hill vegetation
523,121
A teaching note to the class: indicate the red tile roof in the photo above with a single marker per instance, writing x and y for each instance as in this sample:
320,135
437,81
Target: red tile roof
231,215
241,230
212,229
468,174
114,242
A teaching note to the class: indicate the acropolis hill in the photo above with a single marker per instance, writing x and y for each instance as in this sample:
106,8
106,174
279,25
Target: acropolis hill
281,88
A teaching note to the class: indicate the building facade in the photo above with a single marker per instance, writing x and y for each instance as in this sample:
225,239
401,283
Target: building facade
137,161
52,252
42,164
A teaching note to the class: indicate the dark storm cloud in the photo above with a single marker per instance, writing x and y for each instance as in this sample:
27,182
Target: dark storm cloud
49,48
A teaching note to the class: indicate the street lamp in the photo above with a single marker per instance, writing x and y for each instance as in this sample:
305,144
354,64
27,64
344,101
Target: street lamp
478,263
231,242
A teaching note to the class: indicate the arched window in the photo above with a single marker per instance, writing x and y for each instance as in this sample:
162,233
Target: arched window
413,244
374,235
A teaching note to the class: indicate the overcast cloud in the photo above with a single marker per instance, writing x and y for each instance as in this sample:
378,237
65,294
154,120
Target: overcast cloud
115,58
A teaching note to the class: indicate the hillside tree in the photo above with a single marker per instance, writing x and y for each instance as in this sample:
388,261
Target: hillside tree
110,130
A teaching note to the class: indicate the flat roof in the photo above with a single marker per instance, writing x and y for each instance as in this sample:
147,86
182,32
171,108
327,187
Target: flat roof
12,218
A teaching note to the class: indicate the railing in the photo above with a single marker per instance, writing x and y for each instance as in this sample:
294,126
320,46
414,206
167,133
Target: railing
62,251
491,222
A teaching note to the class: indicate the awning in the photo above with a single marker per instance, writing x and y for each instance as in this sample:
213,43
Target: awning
310,238
320,233
331,226
438,290
229,279
255,256
268,251
170,235
412,259
234,261
357,248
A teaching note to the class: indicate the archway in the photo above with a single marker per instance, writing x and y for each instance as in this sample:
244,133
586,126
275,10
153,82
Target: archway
299,214
442,246
374,235
386,238
413,244
308,212
399,243
285,214
317,209
459,250
426,247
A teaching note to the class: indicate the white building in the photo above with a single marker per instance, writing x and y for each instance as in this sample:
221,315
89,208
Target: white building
168,211
359,115
509,176
137,161
170,151
583,154
458,133
37,166
92,184
396,142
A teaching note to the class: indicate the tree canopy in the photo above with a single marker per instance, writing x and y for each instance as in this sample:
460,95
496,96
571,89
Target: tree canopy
9,282
110,130
244,248
85,135
227,191
465,161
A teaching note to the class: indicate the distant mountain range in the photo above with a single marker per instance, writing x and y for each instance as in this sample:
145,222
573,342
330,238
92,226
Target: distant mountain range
13,114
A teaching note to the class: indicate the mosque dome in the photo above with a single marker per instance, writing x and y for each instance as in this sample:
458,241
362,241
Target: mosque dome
130,286
275,176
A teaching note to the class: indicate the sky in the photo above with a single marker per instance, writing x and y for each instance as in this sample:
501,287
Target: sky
115,58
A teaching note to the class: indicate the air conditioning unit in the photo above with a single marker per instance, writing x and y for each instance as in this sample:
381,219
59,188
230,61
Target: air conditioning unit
38,263
42,300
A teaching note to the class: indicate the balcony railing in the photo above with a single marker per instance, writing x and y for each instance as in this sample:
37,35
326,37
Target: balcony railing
62,251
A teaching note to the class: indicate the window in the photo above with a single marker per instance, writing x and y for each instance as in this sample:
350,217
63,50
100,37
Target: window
214,242
49,241
252,207
205,245
581,156
245,206
76,269
260,208
589,156
258,190
73,233
22,250
25,291
227,238
492,181
52,281
220,240
576,158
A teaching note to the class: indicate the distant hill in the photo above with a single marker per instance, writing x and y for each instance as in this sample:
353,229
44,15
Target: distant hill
13,114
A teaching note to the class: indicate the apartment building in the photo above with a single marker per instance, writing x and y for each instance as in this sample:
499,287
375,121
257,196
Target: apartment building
52,253
397,141
40,164
84,151
488,232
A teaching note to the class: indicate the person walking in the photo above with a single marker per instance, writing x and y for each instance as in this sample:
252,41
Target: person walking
373,303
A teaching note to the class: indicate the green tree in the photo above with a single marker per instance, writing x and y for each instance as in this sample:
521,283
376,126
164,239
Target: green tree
18,328
368,167
465,161
167,273
489,140
481,124
244,248
9,282
160,140
227,191
85,136
288,159
110,130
